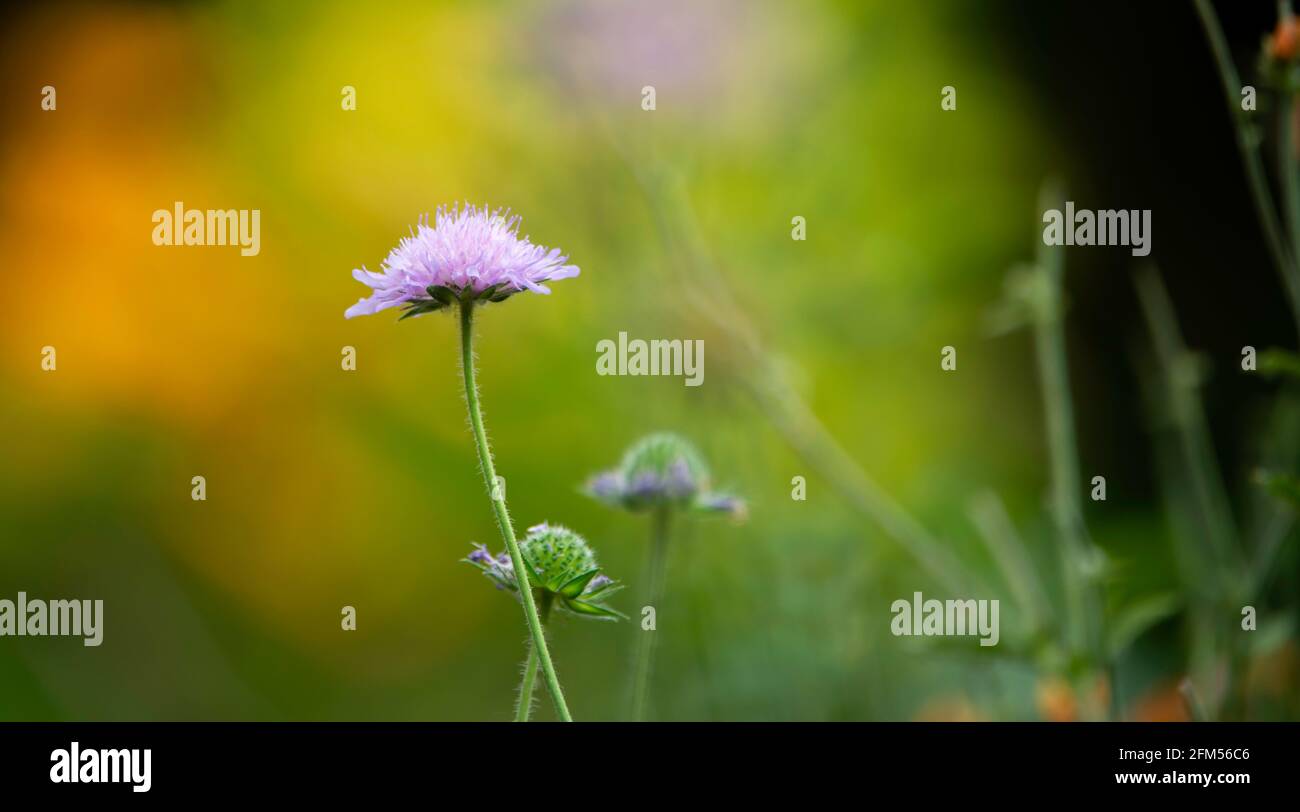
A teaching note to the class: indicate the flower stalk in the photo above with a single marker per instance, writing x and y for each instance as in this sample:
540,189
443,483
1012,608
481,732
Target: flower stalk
659,474
498,500
643,664
525,708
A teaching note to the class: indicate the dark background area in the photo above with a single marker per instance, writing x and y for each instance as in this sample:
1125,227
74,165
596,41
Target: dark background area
1136,100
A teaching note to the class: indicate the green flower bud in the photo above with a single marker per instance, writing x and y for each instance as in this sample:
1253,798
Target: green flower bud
560,563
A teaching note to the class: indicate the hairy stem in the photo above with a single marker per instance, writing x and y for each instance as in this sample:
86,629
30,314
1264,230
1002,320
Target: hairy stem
525,707
503,516
643,665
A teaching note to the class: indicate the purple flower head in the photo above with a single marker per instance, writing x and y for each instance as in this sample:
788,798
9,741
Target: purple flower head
680,481
468,254
498,568
662,471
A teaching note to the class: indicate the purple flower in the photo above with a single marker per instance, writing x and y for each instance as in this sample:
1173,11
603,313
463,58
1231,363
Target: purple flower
607,486
662,471
468,253
498,568
732,506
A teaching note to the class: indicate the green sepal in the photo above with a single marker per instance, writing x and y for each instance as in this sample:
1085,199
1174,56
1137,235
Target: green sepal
575,586
442,293
535,580
592,610
604,592
495,293
421,307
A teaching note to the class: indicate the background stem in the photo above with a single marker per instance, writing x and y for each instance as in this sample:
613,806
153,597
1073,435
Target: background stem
1078,557
1286,166
778,402
503,516
643,665
1248,139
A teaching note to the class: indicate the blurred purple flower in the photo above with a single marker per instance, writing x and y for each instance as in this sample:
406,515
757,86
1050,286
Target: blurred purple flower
498,568
616,46
467,252
662,471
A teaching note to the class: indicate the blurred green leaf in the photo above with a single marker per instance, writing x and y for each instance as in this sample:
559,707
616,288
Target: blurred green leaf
1282,486
1138,618
1276,363
1272,635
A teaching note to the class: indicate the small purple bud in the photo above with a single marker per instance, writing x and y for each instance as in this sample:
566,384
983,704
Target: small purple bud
724,503
680,483
607,486
645,485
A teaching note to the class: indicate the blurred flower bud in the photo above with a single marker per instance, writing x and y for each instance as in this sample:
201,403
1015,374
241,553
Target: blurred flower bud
559,562
1285,40
662,471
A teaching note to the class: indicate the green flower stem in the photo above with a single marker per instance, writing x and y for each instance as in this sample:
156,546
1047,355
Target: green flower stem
503,516
525,708
643,665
